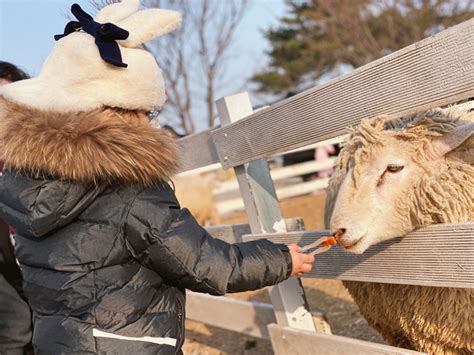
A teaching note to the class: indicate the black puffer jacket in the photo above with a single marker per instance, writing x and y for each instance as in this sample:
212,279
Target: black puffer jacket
106,265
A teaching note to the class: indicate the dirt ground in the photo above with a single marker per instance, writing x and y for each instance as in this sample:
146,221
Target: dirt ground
328,296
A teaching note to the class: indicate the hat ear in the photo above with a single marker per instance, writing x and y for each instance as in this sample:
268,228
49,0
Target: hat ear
117,12
148,24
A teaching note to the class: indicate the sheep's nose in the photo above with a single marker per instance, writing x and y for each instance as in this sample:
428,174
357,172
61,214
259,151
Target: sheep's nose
339,232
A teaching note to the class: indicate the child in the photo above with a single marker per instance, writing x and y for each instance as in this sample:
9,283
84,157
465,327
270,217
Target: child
105,250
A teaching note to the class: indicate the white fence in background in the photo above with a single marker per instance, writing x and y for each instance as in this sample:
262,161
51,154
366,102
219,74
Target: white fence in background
227,196
232,203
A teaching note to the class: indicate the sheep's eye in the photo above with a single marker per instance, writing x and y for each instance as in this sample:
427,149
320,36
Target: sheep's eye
393,168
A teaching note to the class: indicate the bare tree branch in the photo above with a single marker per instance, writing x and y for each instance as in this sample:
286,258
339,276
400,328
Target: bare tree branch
216,27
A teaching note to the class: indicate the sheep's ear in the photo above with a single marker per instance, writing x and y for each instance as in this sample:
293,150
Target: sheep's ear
117,12
148,24
449,142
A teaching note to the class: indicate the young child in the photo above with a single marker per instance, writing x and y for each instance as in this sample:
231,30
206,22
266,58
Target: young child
105,250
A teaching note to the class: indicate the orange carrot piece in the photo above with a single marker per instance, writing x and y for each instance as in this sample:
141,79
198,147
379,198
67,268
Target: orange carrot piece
330,241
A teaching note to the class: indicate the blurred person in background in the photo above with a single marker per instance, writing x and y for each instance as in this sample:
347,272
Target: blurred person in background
15,315
323,153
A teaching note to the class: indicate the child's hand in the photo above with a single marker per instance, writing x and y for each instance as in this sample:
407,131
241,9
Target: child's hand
301,262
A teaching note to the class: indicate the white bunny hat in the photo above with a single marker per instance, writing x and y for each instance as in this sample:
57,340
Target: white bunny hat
75,78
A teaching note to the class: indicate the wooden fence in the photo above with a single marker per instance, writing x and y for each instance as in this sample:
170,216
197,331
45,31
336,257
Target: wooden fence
433,72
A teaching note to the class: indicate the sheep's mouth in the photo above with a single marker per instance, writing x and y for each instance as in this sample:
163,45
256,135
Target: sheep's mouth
353,245
348,246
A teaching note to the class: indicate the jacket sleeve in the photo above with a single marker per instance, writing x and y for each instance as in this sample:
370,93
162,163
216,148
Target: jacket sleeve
168,240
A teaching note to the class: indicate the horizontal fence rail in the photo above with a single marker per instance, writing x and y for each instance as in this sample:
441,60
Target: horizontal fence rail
232,233
247,317
433,72
439,255
197,151
199,154
241,316
286,341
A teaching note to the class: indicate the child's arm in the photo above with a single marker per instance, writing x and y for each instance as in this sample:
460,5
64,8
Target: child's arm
168,240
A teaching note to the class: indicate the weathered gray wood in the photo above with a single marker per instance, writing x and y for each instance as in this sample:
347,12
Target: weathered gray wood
439,255
232,233
257,190
245,317
433,72
287,341
197,150
294,224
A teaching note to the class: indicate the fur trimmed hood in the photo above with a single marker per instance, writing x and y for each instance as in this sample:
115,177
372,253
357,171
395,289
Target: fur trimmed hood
102,145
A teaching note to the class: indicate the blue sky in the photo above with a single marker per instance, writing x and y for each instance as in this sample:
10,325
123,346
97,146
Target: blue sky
27,28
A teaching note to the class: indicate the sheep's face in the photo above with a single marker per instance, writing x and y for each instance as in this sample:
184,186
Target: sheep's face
376,191
365,211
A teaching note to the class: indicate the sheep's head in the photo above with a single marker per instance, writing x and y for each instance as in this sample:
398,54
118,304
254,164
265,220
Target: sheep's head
382,187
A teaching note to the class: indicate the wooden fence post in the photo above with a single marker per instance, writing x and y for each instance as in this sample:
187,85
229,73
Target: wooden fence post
257,190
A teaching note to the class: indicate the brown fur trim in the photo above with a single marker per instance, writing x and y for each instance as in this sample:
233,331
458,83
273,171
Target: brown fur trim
103,145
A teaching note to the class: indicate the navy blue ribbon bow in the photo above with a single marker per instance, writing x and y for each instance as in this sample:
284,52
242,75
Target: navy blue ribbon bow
105,35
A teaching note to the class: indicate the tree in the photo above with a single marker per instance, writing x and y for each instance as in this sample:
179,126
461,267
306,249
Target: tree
192,58
320,37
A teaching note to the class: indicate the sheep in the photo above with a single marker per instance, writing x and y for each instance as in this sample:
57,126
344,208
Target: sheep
394,176
195,193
